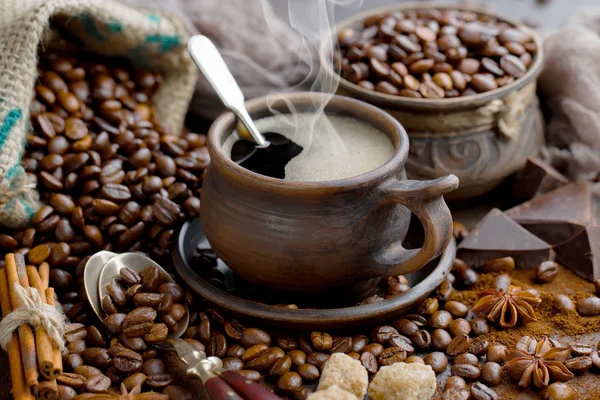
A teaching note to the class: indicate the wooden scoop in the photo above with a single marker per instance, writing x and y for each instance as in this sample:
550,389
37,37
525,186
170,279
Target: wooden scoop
266,155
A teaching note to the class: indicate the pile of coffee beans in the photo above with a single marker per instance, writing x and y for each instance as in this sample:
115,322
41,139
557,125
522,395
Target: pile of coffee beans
438,334
113,178
141,311
434,53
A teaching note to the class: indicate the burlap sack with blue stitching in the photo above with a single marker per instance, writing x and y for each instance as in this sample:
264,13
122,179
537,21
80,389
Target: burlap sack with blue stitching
150,39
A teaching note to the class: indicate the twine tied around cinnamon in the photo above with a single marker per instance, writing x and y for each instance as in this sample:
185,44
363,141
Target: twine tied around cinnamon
35,312
503,113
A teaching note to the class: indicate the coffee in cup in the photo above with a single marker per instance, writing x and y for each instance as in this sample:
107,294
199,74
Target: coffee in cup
333,147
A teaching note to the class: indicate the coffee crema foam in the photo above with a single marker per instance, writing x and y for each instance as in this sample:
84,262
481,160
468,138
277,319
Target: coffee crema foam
335,147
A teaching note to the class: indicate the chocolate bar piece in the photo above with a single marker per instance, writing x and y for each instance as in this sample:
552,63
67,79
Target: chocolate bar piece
499,236
558,215
581,254
536,178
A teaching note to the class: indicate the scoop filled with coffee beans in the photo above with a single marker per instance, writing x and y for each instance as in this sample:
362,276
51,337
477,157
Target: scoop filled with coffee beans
267,154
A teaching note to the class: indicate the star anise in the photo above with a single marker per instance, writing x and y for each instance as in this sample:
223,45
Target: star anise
544,365
507,307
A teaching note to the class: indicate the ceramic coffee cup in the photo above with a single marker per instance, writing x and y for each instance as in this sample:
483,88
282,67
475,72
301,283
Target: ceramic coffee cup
321,237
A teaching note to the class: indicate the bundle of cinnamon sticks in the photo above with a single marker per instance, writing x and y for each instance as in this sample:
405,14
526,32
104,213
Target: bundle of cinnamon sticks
35,360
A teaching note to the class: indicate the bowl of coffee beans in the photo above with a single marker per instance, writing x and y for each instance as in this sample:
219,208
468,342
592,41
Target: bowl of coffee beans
461,80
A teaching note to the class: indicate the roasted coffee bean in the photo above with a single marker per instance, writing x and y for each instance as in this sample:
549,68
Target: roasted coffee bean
217,346
559,391
87,371
308,372
128,361
95,337
72,380
173,289
109,308
581,349
579,364
139,321
75,332
479,326
589,306
455,383
546,272
458,327
466,371
491,373
317,359
159,381
235,350
117,294
428,307
135,379
253,336
153,366
251,375
440,339
405,326
479,348
456,309
466,358
460,344
97,357
382,334
289,382
341,345
281,367
392,355
497,353
421,339
73,361
480,391
133,343
150,278
440,319
369,361
287,343
298,357
77,346
321,341
147,299
437,360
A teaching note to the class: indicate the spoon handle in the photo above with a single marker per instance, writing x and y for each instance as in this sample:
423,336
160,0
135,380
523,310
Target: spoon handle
208,59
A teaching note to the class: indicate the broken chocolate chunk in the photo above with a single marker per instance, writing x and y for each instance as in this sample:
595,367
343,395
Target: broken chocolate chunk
558,215
536,178
581,254
498,236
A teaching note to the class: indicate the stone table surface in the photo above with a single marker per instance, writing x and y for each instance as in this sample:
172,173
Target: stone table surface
549,14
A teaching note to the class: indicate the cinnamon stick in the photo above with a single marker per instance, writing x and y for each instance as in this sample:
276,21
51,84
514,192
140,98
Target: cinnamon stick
47,390
57,356
16,273
44,345
20,389
44,271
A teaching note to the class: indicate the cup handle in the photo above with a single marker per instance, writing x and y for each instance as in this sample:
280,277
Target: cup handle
425,199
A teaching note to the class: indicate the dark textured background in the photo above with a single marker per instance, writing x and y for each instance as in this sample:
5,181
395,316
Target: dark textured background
549,14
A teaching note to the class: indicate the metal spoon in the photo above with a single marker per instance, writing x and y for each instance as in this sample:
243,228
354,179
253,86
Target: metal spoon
136,262
268,153
91,276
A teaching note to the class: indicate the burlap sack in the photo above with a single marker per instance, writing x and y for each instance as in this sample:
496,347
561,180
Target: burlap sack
150,39
570,82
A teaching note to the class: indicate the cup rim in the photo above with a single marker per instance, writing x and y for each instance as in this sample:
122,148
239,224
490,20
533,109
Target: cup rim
393,101
225,124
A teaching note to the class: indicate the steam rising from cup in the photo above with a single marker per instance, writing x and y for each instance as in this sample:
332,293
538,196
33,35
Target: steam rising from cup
313,20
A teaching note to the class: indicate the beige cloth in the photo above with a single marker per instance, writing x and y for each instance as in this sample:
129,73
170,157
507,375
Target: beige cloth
150,39
570,82
263,53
